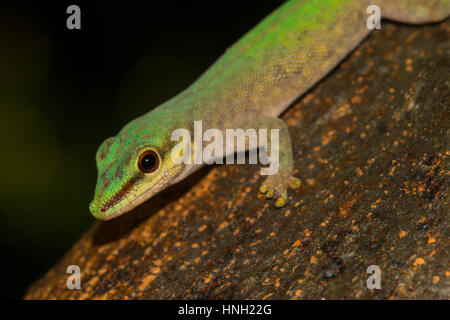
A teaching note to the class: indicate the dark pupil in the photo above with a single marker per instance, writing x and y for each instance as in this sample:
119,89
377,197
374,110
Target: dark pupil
148,162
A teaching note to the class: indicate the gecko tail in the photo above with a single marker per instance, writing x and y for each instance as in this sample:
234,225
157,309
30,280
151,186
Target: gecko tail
415,11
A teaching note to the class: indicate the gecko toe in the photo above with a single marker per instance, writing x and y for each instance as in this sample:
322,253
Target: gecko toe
294,183
263,188
270,194
281,201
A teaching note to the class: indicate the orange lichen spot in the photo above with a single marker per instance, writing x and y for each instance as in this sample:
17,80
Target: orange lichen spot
208,280
419,261
401,234
311,181
267,296
391,90
157,262
287,213
291,254
326,138
359,171
223,225
272,234
298,292
251,220
311,166
246,261
345,182
436,279
313,259
204,252
431,240
285,252
194,245
447,273
344,209
156,270
297,243
369,213
202,227
307,233
146,281
391,172
341,111
356,99
277,283
235,232
93,281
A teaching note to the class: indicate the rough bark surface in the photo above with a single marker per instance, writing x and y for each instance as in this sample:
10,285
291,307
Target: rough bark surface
371,146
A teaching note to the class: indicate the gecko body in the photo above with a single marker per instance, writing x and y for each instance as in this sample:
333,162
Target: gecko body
251,84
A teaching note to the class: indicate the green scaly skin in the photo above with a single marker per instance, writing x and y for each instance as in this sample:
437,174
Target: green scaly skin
248,87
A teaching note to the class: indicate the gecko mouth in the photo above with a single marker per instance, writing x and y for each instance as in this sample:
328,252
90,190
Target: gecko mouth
130,205
145,195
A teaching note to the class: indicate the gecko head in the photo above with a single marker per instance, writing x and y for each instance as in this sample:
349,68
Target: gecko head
130,171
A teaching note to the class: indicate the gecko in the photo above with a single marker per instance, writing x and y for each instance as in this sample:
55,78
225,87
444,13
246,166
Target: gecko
249,86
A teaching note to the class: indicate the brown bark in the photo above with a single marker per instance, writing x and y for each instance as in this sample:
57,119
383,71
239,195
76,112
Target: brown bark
371,146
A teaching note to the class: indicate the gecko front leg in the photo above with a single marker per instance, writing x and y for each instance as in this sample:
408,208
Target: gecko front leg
277,182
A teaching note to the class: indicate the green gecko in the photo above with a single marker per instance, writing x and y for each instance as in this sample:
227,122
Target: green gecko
251,84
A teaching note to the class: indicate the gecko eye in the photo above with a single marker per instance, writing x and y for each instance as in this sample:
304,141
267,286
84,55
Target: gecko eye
148,161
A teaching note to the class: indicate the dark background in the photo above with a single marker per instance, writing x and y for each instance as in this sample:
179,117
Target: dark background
62,92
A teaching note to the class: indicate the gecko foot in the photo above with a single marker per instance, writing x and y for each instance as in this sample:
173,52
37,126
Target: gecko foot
276,186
